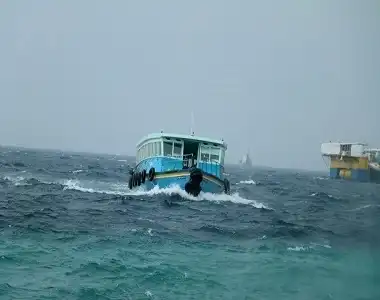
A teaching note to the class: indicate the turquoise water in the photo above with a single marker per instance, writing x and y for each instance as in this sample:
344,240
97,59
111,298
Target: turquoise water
70,229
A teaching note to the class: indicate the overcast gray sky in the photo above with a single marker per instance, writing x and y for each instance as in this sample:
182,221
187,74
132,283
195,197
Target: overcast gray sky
279,77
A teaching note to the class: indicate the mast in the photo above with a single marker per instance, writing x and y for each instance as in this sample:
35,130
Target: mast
192,123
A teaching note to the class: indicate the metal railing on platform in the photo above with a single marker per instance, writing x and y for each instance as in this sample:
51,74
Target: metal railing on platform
210,167
188,161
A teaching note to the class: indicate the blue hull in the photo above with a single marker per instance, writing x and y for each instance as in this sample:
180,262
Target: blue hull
168,171
209,184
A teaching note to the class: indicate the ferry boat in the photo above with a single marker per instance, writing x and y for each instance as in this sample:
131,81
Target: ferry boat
193,163
353,161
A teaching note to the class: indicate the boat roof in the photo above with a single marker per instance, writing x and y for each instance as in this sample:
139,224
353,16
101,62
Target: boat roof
188,137
347,143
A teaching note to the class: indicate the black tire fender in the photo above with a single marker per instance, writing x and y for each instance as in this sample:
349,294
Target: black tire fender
227,187
130,182
139,179
134,179
193,188
151,174
143,176
196,175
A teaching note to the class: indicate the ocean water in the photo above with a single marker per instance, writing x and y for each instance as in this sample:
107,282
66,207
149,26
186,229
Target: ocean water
71,229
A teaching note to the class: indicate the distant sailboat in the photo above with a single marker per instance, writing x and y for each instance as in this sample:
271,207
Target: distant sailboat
246,161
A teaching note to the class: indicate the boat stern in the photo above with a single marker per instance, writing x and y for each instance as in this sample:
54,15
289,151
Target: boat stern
193,181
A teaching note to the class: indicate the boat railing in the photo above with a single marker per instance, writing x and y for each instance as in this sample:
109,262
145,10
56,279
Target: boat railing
211,167
188,161
181,162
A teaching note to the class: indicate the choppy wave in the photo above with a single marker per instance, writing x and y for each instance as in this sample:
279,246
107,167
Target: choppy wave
247,182
72,229
122,189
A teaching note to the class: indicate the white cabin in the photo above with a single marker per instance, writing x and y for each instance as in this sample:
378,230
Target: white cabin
343,149
180,146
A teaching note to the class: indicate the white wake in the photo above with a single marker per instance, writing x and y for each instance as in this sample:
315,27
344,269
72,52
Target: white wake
122,190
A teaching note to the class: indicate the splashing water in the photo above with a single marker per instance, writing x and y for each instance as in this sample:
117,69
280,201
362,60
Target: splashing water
122,190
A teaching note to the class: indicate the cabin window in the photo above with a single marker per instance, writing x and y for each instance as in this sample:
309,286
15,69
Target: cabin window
205,156
346,148
205,153
223,152
214,154
148,151
168,148
154,149
177,149
158,148
145,151
210,154
151,149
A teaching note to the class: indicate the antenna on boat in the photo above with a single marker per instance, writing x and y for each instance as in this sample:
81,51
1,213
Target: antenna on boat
192,124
